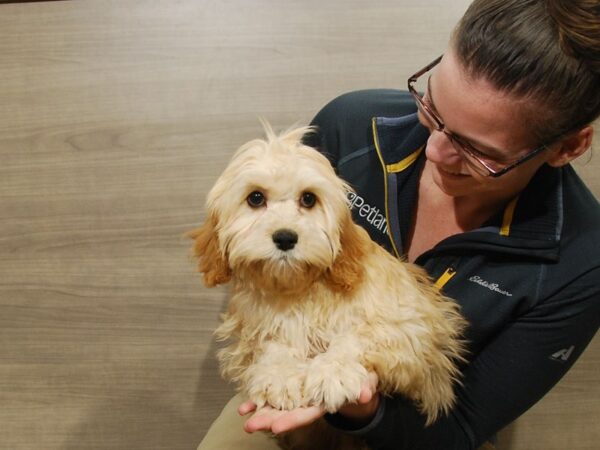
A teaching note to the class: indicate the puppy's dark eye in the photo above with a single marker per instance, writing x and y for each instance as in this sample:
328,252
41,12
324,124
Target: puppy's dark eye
256,199
308,199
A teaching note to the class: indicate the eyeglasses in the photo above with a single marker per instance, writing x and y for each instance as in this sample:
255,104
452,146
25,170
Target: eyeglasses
482,163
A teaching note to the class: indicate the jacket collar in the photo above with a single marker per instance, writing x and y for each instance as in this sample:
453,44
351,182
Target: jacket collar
398,137
530,225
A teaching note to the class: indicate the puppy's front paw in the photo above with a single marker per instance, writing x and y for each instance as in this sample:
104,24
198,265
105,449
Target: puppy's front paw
333,383
276,386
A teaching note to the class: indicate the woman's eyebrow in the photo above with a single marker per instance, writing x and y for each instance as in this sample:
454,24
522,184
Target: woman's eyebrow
490,151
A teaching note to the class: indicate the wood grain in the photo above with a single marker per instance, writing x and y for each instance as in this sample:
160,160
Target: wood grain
115,119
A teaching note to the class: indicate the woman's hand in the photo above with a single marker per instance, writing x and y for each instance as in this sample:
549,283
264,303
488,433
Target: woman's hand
362,412
276,421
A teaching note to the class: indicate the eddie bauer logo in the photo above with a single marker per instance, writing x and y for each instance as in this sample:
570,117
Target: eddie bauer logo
491,286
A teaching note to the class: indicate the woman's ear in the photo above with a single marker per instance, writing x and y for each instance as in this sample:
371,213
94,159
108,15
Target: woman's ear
571,147
347,270
212,263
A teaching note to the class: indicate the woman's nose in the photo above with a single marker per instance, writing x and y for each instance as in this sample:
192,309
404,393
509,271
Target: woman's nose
441,150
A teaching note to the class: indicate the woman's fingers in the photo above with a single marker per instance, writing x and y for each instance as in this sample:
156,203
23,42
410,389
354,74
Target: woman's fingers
369,388
276,421
364,410
262,420
296,418
246,407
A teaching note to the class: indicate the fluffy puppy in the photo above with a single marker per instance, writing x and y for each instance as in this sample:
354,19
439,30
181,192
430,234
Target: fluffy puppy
315,303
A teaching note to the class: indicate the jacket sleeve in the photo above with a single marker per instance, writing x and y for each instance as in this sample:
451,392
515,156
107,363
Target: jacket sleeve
506,378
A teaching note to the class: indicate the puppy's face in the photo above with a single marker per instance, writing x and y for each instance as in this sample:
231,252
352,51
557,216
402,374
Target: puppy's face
278,207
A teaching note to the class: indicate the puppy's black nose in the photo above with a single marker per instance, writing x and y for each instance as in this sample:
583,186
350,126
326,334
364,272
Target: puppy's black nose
285,239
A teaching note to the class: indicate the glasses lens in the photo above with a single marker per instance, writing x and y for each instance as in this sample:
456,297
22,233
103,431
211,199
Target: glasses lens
469,154
431,121
420,84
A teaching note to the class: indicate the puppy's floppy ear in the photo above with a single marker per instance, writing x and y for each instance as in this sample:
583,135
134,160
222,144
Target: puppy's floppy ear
347,270
212,263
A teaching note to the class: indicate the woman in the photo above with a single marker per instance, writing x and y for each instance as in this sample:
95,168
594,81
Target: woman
474,178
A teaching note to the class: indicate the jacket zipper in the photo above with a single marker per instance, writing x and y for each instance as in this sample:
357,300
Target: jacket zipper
385,185
445,277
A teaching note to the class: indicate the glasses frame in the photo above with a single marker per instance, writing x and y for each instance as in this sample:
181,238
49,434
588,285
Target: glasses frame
459,143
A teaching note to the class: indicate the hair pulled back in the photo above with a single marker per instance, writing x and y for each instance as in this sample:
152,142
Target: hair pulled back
546,52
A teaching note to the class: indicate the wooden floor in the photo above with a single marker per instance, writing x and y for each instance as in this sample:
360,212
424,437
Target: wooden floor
115,119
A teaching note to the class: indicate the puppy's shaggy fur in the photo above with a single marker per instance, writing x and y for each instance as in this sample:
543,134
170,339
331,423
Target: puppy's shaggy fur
316,304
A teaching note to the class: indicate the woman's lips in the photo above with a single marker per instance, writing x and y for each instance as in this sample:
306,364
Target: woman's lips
452,173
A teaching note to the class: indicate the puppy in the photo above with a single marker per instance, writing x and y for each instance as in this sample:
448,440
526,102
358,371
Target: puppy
316,305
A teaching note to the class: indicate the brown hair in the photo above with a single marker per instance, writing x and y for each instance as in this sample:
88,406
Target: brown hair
544,51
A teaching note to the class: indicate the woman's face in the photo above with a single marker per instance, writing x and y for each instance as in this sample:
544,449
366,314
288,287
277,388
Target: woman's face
490,120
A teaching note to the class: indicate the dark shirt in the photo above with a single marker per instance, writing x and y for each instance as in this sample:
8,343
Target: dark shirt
528,280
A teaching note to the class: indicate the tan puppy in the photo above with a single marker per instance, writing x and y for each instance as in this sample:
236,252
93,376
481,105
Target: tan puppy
316,304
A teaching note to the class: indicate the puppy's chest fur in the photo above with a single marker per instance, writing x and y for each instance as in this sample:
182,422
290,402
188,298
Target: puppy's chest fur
307,322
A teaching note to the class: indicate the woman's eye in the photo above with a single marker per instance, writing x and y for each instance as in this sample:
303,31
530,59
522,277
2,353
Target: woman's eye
256,199
481,155
308,199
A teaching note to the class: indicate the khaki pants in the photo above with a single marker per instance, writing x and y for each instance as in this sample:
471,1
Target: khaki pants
227,433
